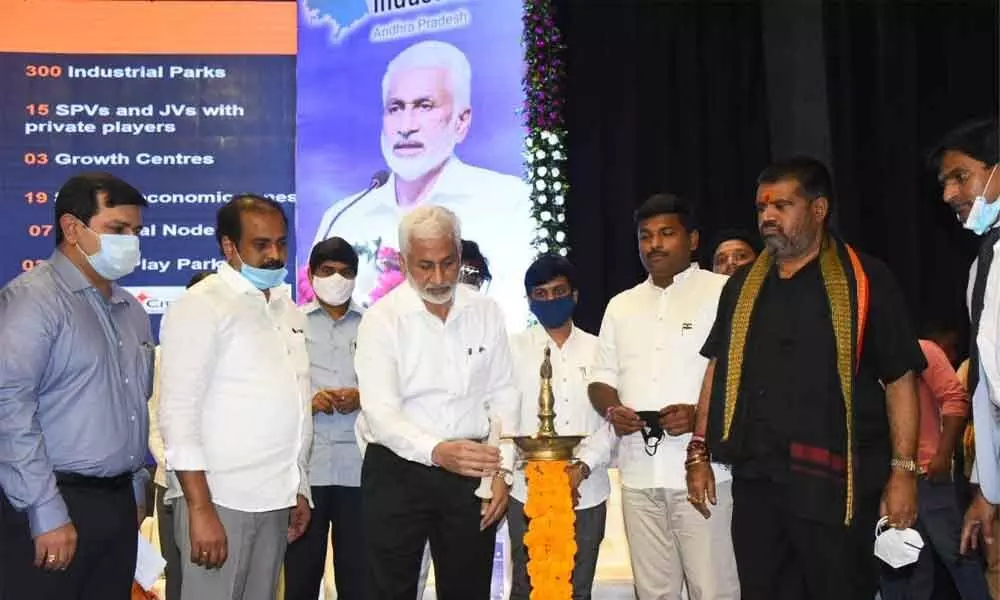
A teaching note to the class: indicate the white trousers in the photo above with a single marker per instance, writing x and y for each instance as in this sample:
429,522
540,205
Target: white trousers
670,543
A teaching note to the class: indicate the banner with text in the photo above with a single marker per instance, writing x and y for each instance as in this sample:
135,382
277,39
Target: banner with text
187,120
402,103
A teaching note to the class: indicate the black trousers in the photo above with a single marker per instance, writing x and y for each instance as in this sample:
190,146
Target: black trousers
305,560
405,504
782,557
104,564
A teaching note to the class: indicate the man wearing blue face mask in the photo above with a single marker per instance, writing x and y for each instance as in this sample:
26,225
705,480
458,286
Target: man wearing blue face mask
235,411
966,162
550,283
76,369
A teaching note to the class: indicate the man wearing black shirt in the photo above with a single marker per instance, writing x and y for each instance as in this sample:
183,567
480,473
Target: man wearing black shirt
811,397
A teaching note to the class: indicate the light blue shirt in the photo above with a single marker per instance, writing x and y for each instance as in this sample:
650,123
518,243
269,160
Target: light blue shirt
76,370
336,459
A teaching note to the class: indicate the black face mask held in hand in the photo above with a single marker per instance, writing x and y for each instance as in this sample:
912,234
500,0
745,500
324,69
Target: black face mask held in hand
652,433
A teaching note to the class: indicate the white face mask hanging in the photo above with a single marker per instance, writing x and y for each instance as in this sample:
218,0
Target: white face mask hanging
897,547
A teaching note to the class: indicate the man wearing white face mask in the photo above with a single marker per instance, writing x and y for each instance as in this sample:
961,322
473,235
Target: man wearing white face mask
426,114
335,466
75,372
966,162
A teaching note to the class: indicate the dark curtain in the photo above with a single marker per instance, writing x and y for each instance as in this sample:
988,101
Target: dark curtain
670,95
661,97
900,74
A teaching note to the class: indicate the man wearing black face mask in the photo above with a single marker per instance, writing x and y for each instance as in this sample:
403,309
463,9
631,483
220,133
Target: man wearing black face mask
552,296
648,362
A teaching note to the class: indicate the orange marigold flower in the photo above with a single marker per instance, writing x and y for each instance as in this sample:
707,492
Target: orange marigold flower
550,538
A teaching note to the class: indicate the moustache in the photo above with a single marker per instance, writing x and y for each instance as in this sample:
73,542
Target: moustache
656,254
771,228
272,264
407,145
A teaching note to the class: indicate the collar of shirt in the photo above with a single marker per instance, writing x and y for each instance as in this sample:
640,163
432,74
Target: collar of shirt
409,301
541,339
456,180
452,181
75,280
679,279
239,284
313,306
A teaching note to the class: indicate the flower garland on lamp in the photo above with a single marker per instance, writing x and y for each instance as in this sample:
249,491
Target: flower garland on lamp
550,537
544,147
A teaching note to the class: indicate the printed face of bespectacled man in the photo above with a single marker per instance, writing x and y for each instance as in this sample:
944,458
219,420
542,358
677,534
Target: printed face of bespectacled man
420,123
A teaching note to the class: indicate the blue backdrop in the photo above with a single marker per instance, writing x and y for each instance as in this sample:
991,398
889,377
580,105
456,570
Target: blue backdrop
236,113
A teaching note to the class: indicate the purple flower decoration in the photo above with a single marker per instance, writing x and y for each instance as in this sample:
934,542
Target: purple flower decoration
305,291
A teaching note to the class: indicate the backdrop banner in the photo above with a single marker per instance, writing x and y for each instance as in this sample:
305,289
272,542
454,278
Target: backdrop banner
402,105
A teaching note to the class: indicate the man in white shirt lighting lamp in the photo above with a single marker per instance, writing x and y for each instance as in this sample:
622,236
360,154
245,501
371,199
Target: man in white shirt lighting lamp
646,381
552,295
434,367
235,410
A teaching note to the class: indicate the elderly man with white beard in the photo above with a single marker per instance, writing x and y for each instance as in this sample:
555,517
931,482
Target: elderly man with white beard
434,370
426,113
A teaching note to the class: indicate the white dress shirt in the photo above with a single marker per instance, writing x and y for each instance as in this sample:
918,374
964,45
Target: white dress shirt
495,211
571,367
234,392
986,396
649,351
424,380
155,439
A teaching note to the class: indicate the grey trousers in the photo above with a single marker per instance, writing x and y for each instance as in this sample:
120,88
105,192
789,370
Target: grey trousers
257,544
589,526
168,544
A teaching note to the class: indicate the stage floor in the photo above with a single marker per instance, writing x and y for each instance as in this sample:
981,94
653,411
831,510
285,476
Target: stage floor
614,573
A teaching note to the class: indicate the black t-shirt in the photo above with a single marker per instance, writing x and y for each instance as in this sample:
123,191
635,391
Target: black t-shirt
790,372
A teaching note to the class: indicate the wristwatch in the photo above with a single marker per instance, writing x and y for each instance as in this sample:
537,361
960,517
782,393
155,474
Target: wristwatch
907,465
507,476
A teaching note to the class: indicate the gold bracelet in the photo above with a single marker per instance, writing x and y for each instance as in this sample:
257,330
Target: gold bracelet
694,461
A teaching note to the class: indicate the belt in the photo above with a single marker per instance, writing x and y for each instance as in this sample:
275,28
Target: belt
115,482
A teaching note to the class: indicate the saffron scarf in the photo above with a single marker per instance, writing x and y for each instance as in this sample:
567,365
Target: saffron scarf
847,291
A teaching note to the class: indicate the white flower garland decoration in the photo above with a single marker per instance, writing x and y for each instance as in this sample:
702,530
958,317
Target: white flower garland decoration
544,158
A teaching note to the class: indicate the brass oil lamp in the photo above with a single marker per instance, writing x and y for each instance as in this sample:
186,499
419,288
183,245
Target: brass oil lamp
546,444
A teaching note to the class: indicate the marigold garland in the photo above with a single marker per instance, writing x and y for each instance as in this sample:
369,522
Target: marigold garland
551,538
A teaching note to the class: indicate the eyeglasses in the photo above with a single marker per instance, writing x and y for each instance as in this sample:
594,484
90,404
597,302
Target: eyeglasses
472,275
